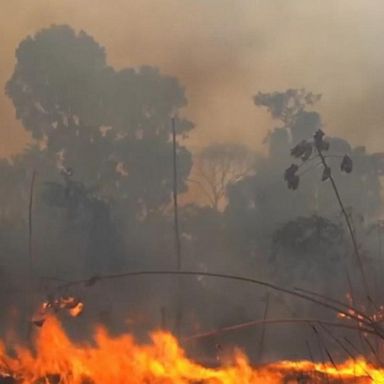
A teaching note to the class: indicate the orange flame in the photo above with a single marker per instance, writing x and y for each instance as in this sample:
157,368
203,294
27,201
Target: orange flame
118,360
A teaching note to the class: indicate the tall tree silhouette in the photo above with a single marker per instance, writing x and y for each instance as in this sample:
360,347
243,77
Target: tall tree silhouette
111,127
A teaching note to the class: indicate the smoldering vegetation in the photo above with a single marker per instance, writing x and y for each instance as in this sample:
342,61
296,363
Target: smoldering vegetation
102,205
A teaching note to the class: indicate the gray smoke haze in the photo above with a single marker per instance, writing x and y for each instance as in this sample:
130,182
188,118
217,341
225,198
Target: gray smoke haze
223,51
103,198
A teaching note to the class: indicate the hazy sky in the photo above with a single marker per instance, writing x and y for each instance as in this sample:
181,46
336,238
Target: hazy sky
224,51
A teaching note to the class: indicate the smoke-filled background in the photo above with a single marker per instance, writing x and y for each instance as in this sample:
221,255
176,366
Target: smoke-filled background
90,89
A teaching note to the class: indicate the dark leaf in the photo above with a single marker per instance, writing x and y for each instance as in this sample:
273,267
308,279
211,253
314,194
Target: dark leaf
308,152
346,164
320,144
302,150
291,178
326,174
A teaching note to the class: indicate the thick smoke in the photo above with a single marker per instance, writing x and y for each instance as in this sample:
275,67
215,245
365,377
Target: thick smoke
102,201
223,51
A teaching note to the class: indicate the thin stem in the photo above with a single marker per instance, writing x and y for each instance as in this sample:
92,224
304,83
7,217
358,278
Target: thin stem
30,208
310,298
176,229
175,198
30,254
349,226
334,301
263,329
263,322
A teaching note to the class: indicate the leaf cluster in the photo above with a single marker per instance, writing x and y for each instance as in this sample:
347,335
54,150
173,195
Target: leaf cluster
304,150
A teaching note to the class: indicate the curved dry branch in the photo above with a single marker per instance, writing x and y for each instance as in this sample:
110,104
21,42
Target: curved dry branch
331,306
253,323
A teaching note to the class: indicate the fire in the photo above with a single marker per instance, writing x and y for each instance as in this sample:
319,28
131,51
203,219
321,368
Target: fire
114,360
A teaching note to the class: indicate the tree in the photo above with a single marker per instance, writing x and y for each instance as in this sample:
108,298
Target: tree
110,131
220,165
112,127
260,203
261,194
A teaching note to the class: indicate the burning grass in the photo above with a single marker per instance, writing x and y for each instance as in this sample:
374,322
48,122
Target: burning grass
121,359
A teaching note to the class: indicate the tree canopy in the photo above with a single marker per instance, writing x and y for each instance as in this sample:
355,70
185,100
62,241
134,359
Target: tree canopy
112,128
